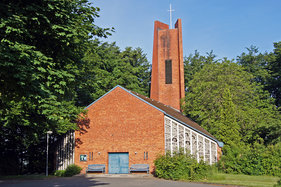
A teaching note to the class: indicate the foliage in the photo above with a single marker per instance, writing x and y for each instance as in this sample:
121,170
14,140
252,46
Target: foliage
72,170
181,166
255,63
274,67
42,43
105,66
265,68
231,101
251,160
195,62
69,171
224,100
59,173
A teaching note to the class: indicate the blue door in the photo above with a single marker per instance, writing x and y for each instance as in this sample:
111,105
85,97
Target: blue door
118,163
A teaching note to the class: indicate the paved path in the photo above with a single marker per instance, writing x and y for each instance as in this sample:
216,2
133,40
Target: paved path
101,181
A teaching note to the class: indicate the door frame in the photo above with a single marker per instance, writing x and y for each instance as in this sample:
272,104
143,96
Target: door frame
118,153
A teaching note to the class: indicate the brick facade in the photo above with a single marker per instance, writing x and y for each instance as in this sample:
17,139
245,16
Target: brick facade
120,122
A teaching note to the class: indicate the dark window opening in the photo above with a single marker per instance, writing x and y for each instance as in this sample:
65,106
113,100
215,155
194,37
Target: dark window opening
168,71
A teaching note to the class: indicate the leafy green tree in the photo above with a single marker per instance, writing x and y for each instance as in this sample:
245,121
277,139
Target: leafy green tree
225,101
227,128
105,66
195,62
266,71
265,68
139,68
274,66
42,43
255,63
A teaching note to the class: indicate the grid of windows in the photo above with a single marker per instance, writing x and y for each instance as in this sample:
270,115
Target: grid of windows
178,136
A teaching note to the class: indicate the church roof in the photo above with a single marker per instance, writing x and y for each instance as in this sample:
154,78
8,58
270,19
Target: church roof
175,114
168,111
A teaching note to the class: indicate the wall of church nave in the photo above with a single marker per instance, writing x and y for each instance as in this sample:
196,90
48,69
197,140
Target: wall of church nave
65,151
120,123
178,136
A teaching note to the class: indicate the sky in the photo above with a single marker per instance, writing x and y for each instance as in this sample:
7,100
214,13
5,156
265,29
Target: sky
227,27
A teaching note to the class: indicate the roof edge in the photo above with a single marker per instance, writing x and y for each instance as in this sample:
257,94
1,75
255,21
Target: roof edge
214,139
118,86
221,144
101,97
142,100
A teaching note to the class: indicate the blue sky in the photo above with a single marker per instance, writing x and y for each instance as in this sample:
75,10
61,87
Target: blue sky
225,26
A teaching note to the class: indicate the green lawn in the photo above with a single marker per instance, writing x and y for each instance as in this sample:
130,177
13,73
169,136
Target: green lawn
242,180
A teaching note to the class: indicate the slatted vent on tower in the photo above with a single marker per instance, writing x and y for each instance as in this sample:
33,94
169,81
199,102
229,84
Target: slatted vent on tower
168,71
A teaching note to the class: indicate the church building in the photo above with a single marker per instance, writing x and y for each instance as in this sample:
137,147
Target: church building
123,127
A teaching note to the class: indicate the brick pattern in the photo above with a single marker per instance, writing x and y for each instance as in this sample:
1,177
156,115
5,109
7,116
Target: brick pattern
154,92
219,152
167,45
120,122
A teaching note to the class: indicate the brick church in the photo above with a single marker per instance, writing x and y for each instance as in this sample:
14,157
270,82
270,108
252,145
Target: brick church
124,128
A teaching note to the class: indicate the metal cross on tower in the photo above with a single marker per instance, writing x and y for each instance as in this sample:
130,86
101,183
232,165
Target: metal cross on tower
171,15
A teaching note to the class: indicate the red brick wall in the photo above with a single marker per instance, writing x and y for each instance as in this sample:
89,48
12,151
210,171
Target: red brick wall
167,45
119,122
219,152
154,91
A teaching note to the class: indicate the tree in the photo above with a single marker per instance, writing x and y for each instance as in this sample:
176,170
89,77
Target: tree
105,66
265,68
139,68
223,98
227,128
255,63
274,67
41,45
194,63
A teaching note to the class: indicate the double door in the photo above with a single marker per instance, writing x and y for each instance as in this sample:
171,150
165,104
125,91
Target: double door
118,163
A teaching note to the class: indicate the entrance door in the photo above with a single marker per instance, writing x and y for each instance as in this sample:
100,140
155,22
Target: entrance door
118,163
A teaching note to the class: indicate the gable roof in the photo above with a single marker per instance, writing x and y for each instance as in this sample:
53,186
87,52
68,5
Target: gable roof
168,111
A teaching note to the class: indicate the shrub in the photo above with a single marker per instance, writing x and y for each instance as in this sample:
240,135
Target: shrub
181,166
251,160
69,172
72,170
59,173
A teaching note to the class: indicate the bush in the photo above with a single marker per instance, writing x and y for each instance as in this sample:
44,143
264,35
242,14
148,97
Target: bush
69,172
181,166
59,173
72,170
251,160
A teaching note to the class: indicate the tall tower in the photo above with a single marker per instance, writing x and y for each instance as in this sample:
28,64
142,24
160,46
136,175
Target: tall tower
167,79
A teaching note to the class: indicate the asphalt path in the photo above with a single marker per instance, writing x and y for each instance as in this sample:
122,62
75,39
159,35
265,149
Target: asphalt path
87,180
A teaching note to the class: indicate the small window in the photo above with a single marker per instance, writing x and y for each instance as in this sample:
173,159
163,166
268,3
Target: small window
90,155
168,71
83,158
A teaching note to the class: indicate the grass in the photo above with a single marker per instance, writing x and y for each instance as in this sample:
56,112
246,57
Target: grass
242,180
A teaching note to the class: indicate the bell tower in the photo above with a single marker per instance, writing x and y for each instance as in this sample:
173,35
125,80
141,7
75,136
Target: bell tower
167,79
